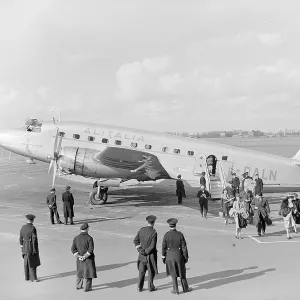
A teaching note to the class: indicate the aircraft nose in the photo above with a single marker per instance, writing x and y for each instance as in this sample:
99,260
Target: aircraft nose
7,139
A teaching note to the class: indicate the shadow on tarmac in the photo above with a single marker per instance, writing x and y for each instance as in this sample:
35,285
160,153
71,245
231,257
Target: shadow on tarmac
220,278
96,220
215,279
73,273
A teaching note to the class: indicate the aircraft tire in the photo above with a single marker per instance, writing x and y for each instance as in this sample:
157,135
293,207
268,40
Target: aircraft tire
95,200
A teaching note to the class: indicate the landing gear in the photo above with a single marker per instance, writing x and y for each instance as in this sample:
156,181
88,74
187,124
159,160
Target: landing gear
98,195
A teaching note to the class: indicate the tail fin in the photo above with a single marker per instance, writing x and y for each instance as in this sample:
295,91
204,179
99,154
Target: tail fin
297,156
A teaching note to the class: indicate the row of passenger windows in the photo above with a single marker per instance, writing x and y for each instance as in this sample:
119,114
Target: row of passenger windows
133,144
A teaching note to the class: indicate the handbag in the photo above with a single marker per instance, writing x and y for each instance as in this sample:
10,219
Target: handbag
268,220
242,221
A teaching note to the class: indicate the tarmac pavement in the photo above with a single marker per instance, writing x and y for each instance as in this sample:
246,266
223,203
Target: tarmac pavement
220,267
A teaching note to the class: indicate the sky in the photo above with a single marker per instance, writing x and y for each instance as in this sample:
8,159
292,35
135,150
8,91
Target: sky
167,65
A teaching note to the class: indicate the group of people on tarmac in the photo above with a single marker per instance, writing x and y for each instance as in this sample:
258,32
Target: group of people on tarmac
174,255
290,212
174,249
82,246
244,202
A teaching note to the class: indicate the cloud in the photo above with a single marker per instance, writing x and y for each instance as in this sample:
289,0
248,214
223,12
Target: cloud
270,39
135,78
42,91
7,95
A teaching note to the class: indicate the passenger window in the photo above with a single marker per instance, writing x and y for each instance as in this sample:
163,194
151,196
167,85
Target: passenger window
191,153
117,142
164,149
76,136
91,138
148,147
133,145
177,151
105,141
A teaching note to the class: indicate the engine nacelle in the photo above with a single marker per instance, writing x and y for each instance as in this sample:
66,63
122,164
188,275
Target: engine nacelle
84,162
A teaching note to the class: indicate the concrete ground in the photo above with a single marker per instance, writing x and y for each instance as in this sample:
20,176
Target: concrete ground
220,267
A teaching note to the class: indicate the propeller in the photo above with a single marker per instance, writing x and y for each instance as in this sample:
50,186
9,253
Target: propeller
56,151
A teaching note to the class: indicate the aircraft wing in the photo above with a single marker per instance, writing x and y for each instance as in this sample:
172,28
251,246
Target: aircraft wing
136,161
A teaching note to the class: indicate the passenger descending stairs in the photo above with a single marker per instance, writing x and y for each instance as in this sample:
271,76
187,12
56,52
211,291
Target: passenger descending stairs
217,182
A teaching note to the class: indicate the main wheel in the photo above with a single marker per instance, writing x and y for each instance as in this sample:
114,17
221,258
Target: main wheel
96,199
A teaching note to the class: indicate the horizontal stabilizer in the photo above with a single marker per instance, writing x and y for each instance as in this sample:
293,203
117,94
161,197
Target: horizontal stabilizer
297,156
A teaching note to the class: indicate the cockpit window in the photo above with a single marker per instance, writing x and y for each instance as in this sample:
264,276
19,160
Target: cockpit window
33,125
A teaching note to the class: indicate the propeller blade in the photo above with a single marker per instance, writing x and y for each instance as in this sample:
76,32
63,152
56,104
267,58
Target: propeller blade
58,146
50,166
55,141
54,174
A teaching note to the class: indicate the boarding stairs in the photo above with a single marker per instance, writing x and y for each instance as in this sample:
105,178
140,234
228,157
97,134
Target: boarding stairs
217,182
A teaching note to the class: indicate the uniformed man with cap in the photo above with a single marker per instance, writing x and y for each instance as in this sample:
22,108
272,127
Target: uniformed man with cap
145,243
202,179
68,203
30,249
83,250
51,202
180,190
235,183
175,256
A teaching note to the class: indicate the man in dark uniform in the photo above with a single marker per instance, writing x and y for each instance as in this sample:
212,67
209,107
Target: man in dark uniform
83,250
175,256
235,184
259,185
180,190
68,203
145,243
51,202
203,196
30,249
202,179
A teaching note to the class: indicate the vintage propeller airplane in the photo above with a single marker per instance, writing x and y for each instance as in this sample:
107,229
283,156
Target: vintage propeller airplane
114,155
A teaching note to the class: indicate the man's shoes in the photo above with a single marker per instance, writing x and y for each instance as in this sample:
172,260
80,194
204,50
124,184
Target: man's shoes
259,234
140,290
60,222
153,289
53,223
188,290
72,223
36,280
66,223
87,290
175,292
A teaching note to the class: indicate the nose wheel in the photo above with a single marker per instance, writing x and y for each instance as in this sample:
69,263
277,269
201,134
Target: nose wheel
98,197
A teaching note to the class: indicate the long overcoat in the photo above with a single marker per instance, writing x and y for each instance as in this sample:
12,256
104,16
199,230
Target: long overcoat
263,209
175,250
147,239
83,243
29,241
180,190
68,203
259,186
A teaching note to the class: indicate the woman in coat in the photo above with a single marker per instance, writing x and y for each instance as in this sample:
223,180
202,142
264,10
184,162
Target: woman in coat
261,209
227,199
239,213
287,209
